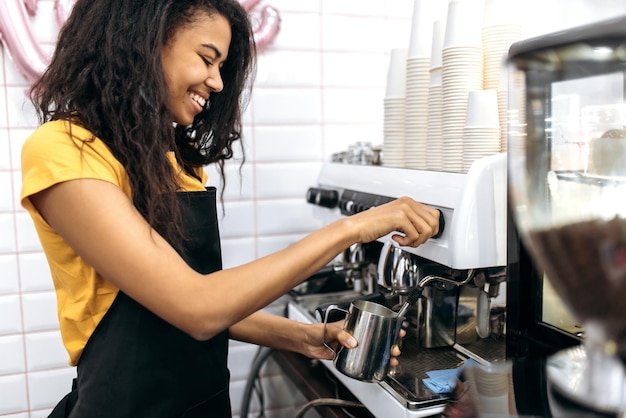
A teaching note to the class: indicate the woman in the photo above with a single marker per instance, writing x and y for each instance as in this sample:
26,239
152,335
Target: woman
139,96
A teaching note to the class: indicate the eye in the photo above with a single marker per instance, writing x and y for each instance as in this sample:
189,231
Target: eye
206,60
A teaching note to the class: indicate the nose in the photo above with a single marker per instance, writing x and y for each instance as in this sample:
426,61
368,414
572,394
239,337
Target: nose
214,79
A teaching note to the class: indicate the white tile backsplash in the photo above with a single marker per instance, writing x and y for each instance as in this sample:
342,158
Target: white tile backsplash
287,106
45,350
354,34
288,69
238,251
239,181
46,388
338,137
2,79
288,143
240,358
17,138
355,106
284,216
5,152
270,244
404,8
10,314
238,220
354,64
7,234
286,180
299,31
285,6
12,359
4,113
14,398
40,311
6,191
17,187
9,281
354,7
21,113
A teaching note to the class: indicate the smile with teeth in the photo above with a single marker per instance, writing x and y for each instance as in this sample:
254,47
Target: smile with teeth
198,99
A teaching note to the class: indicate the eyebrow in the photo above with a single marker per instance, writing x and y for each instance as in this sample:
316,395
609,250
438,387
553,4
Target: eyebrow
214,48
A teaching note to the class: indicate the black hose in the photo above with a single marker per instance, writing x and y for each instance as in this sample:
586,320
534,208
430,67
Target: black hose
261,356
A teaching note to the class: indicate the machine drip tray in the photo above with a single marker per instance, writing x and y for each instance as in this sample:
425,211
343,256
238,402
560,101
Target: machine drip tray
407,378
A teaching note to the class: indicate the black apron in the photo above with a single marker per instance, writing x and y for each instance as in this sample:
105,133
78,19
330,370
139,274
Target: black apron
137,365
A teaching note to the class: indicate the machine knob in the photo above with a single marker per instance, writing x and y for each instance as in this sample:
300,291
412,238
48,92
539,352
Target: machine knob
322,197
360,208
442,225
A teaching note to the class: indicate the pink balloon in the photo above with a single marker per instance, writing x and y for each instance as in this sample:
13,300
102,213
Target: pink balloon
249,4
31,6
267,29
18,37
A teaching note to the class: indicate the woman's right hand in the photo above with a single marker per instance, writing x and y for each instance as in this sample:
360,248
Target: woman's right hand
414,222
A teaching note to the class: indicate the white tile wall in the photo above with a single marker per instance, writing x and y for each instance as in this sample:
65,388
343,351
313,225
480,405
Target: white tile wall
319,89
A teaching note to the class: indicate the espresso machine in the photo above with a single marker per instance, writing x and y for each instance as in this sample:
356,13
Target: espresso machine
461,271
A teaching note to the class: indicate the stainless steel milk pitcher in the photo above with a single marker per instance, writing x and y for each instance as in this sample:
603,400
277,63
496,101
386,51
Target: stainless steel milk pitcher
377,329
374,327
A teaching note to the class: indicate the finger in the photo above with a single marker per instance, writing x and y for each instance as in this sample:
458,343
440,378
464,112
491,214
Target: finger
395,351
394,362
346,339
421,226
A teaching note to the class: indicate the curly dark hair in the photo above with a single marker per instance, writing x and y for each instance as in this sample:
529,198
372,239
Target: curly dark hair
106,75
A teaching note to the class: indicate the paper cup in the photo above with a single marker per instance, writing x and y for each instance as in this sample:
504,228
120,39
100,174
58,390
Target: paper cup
463,24
396,74
482,109
439,28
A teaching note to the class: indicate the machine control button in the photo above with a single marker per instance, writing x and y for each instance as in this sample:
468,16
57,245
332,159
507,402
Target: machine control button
327,198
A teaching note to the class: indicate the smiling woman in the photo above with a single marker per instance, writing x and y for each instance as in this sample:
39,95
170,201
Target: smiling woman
114,182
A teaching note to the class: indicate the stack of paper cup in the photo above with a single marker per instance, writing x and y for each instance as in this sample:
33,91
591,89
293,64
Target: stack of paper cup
462,72
394,110
503,108
417,82
434,155
501,28
497,40
481,134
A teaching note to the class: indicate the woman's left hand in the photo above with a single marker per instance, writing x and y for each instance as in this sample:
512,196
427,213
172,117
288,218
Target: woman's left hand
335,335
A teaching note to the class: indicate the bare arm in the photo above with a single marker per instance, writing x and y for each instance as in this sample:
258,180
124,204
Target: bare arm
100,223
286,334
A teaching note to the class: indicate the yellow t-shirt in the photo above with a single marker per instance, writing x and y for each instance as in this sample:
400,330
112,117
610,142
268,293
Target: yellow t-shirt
51,156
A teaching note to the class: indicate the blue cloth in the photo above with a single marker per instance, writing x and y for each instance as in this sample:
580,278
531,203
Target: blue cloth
443,381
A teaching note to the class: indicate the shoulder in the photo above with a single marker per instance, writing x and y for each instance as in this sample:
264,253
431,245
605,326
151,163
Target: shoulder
60,137
59,151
